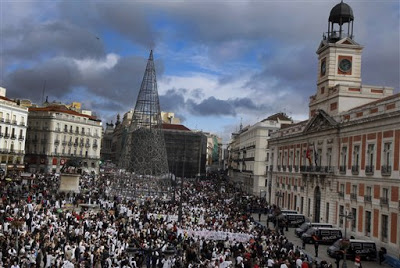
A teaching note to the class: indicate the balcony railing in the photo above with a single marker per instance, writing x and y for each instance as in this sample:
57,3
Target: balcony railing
284,168
341,194
384,201
367,199
295,187
271,168
22,124
87,145
21,137
70,143
386,170
301,188
278,167
15,122
353,196
296,168
58,129
369,170
94,145
302,168
56,142
290,168
355,170
64,143
6,136
76,144
1,134
342,169
13,137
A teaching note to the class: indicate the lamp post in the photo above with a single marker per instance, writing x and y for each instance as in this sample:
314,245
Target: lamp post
347,216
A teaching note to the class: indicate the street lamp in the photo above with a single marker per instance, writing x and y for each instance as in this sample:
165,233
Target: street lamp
347,216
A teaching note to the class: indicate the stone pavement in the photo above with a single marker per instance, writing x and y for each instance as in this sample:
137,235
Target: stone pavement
309,251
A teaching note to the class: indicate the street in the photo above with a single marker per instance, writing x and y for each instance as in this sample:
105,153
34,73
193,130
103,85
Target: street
322,254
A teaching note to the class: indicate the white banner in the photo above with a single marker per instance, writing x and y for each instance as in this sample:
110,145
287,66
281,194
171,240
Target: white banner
215,235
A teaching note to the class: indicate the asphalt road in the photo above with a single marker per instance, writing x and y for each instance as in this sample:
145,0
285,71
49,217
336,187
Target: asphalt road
322,254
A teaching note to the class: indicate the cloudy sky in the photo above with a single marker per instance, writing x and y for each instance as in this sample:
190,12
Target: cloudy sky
216,61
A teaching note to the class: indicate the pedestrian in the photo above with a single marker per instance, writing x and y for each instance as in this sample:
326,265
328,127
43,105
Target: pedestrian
337,260
316,245
381,254
259,216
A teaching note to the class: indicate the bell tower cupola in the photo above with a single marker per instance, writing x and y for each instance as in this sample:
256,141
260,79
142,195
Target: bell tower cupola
340,18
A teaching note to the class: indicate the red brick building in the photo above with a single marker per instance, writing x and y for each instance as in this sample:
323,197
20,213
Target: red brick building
345,157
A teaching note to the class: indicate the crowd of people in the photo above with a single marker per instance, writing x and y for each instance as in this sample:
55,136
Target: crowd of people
40,227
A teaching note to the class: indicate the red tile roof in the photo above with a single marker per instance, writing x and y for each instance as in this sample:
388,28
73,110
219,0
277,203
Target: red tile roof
59,109
175,127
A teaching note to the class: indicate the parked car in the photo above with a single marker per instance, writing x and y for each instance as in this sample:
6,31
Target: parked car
322,235
363,248
305,226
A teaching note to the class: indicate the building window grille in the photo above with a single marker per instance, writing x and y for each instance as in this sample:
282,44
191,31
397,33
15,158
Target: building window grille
368,223
384,228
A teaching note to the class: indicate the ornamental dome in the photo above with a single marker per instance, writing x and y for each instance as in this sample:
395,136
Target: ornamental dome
341,13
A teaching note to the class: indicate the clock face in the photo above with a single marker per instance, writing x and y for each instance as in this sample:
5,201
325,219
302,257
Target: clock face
345,65
323,68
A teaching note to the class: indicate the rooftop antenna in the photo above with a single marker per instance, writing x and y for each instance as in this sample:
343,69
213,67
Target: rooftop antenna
44,88
241,125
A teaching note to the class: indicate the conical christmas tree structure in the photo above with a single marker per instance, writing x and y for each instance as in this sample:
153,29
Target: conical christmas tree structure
147,152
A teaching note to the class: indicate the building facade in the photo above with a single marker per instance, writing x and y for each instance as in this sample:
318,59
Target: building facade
57,133
345,158
13,125
249,154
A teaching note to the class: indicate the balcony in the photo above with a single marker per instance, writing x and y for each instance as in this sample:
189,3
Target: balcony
386,170
295,188
70,143
384,201
21,137
7,121
367,199
57,142
353,196
81,144
57,129
64,143
13,137
6,136
296,168
278,168
301,188
77,131
355,170
249,158
87,145
341,194
71,131
290,168
284,168
342,169
76,144
303,168
94,145
22,124
1,135
271,168
1,119
15,122
369,170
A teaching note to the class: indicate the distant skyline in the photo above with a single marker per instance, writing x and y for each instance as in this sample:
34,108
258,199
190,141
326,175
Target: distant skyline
216,62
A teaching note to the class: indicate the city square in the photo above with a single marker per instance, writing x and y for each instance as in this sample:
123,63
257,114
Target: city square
188,134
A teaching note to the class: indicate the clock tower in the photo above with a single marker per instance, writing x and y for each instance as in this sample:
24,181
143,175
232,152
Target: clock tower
339,67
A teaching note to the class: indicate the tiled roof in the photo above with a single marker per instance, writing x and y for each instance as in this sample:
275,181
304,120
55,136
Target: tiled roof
280,116
175,127
59,109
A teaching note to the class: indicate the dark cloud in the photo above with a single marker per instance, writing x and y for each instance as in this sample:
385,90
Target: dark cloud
211,107
129,19
172,100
